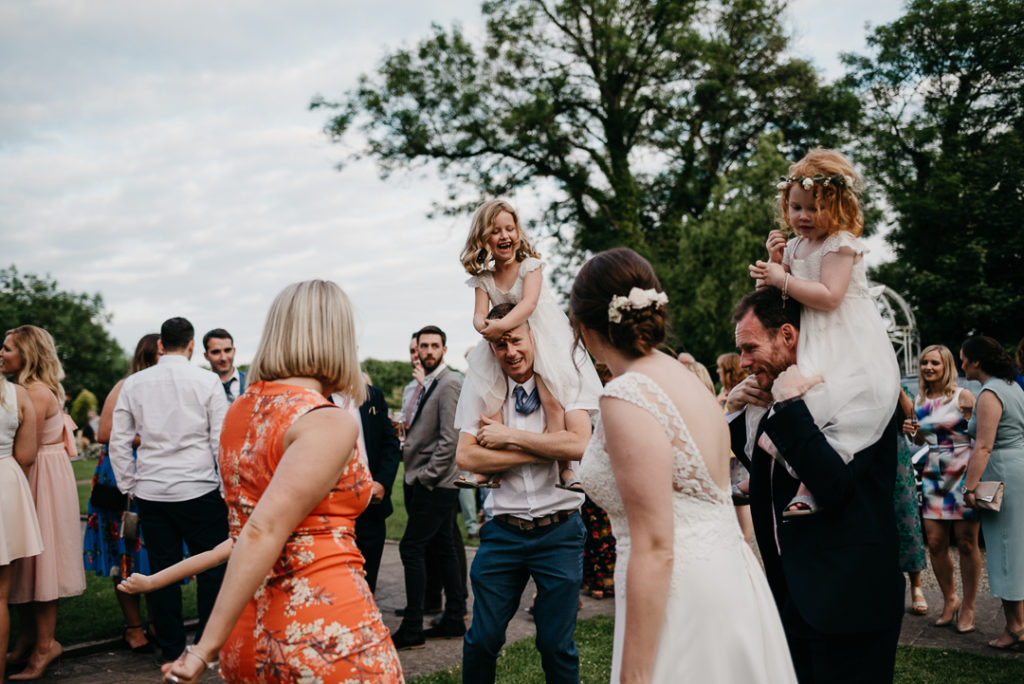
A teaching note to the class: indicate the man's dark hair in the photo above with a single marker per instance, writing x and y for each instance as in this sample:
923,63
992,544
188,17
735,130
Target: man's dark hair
500,311
176,333
220,334
769,309
432,330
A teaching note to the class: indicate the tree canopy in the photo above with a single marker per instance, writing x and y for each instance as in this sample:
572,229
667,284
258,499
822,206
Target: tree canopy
631,112
944,135
91,358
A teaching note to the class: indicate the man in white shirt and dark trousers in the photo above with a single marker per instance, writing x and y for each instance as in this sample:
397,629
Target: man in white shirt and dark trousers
536,530
177,411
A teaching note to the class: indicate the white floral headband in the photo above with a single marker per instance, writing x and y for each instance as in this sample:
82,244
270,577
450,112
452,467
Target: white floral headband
637,299
807,182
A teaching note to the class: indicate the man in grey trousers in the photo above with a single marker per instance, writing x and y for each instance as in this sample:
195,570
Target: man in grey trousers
430,496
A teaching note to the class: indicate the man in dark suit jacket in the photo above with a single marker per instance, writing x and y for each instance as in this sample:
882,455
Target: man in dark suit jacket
383,453
430,496
835,574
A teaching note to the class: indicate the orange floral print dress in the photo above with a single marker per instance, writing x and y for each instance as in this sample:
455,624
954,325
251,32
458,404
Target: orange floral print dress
313,619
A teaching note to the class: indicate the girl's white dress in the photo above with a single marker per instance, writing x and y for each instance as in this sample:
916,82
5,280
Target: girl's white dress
721,623
567,371
850,348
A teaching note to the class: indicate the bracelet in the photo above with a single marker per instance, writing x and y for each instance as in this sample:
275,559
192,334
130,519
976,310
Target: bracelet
191,650
785,290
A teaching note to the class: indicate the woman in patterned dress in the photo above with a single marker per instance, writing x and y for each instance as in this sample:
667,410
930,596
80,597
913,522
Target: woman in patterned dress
294,605
942,410
105,551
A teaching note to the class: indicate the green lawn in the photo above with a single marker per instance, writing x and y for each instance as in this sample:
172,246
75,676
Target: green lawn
520,663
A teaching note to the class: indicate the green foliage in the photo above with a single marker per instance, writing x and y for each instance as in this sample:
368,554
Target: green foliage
390,377
632,112
84,402
944,132
711,272
91,358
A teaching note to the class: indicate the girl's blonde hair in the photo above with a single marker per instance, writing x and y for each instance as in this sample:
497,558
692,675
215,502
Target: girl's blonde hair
39,362
476,256
310,333
732,373
947,381
836,202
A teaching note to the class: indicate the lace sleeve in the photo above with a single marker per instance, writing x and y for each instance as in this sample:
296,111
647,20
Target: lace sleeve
529,264
843,238
627,387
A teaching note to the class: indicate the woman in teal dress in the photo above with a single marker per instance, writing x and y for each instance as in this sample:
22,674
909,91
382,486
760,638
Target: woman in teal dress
997,427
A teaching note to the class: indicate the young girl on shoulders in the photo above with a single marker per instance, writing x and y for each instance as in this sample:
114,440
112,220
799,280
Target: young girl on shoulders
506,269
842,335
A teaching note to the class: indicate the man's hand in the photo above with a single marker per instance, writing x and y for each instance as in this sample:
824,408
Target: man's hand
493,434
747,392
791,383
376,492
776,245
418,374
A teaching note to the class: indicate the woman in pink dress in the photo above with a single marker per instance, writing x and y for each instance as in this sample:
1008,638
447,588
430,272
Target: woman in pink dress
294,605
38,581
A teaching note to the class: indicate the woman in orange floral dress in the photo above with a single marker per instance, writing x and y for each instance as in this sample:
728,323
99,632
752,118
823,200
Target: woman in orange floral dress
294,605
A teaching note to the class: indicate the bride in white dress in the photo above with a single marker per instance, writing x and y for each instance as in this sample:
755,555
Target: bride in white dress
691,600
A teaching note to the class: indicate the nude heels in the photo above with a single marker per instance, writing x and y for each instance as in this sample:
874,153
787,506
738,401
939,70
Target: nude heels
37,664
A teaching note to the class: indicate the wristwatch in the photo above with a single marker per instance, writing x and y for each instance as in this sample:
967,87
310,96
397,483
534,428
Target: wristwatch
965,491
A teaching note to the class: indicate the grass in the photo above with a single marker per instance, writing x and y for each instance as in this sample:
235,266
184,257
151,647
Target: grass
520,663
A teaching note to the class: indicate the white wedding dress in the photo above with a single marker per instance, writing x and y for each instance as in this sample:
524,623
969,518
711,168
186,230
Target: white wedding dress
721,623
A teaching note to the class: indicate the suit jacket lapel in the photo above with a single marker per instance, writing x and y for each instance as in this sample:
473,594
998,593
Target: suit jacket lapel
426,395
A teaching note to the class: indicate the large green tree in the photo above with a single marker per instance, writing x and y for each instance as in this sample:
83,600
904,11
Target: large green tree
944,136
91,358
626,114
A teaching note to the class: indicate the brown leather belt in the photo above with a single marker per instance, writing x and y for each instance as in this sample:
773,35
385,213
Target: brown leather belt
543,521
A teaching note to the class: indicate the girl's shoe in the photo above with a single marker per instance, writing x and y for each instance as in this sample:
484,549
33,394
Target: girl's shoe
808,501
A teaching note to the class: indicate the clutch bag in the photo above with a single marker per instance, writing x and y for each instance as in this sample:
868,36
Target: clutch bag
988,496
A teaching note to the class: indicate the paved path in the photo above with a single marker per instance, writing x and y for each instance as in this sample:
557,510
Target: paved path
109,663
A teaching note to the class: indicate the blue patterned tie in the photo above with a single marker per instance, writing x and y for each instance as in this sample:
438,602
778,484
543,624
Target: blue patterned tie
526,404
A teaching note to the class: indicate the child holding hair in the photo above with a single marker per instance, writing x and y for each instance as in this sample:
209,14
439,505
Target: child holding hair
506,269
842,335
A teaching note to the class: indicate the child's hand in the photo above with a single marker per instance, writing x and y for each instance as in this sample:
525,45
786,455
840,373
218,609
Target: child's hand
776,245
492,331
136,584
768,273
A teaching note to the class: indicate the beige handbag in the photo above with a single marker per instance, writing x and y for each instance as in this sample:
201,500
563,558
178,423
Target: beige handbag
988,496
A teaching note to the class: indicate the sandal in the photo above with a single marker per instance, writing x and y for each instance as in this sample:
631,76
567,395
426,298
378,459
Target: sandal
1015,643
804,499
146,647
738,497
573,485
920,604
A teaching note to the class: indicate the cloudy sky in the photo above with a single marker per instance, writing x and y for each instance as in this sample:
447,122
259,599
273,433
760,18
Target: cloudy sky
163,155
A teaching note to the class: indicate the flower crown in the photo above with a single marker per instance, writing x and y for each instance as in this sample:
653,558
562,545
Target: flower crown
637,299
807,182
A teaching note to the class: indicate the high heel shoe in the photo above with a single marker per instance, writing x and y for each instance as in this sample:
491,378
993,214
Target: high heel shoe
37,665
144,647
952,620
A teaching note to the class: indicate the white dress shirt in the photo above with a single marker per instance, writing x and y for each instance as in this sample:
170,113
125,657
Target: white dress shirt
528,491
177,410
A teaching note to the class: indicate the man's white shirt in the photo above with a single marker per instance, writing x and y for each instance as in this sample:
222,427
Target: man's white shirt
177,410
528,491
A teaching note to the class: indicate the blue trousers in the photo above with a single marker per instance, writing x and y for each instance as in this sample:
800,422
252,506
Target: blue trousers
505,561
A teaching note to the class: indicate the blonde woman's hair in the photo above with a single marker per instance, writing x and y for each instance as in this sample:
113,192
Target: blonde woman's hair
702,374
39,362
732,373
837,205
947,381
476,256
310,333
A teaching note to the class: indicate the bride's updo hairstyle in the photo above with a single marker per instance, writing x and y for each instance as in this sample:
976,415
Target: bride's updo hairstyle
640,327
